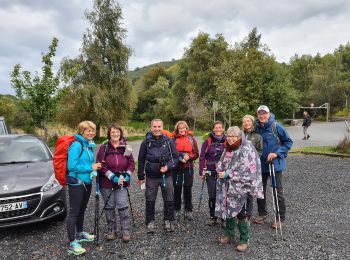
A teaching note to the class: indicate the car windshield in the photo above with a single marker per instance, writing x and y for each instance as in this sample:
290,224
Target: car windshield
22,149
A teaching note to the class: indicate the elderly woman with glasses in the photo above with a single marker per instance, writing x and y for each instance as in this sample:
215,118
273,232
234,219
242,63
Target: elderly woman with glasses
239,173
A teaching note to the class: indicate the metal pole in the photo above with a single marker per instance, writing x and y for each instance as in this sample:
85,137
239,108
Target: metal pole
327,104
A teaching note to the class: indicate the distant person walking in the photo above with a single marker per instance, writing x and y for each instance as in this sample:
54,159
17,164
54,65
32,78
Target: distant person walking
306,124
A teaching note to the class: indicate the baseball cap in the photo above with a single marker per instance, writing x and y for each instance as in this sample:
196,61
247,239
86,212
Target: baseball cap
263,108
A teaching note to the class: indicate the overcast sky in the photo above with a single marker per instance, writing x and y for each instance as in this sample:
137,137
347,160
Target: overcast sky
159,30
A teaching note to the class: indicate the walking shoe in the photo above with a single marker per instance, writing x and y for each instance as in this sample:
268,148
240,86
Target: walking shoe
277,224
260,219
150,227
168,226
126,238
308,136
211,221
75,248
111,235
84,237
242,247
188,215
225,240
223,223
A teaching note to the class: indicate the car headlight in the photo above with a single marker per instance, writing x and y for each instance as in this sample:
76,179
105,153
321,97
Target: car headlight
50,184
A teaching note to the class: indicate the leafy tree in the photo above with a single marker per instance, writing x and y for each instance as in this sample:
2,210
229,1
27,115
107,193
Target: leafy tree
301,69
197,71
249,77
37,95
99,89
147,93
8,108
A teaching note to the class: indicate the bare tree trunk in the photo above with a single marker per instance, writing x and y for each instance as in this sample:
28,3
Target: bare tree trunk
98,130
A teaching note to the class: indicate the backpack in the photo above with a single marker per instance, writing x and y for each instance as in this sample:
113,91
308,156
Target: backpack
275,132
191,138
61,155
205,137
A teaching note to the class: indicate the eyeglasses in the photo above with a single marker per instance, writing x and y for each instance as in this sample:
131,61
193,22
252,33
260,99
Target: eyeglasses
232,136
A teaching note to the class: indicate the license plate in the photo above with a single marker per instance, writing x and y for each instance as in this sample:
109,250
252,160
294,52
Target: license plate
13,206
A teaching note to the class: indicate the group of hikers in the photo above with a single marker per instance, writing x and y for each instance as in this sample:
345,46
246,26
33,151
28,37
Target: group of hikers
235,165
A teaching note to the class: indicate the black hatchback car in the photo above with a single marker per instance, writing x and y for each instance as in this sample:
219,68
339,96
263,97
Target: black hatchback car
29,191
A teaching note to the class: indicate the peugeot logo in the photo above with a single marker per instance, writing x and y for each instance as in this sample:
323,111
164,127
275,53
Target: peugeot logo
4,187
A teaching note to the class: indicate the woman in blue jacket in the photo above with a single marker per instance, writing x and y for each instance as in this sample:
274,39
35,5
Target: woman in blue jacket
80,173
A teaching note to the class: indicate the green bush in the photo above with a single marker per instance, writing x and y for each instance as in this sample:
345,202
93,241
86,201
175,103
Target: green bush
343,113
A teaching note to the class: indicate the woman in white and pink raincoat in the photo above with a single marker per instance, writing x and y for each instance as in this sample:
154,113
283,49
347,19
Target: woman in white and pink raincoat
239,173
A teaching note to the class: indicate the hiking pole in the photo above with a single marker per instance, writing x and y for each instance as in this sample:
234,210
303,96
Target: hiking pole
201,193
273,197
221,200
97,208
277,206
105,205
132,213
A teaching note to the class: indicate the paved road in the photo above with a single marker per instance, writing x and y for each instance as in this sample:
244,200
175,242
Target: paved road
322,134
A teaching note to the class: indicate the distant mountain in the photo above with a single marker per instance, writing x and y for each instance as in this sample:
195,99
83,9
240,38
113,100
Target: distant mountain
139,72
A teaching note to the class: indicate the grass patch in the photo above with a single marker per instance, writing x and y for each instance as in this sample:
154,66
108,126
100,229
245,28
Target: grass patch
330,150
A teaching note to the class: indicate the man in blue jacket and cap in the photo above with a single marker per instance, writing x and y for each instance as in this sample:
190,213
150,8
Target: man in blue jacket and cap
277,143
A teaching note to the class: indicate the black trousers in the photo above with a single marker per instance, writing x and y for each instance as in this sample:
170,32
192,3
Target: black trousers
167,189
280,197
78,199
183,178
211,184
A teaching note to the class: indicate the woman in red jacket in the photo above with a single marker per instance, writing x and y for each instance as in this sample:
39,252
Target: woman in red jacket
118,166
187,148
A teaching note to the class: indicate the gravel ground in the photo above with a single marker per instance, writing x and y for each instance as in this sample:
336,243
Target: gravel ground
318,216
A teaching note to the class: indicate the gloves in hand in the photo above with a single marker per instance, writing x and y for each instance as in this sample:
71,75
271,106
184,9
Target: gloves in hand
115,179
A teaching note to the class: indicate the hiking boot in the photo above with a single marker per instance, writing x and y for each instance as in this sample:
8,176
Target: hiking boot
188,215
260,220
277,224
211,221
75,248
225,240
223,223
84,237
110,235
168,226
126,238
150,227
242,247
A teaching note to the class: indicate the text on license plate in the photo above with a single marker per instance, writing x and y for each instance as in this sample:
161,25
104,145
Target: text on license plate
13,206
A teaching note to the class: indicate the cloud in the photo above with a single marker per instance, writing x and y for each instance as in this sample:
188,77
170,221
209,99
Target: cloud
160,30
